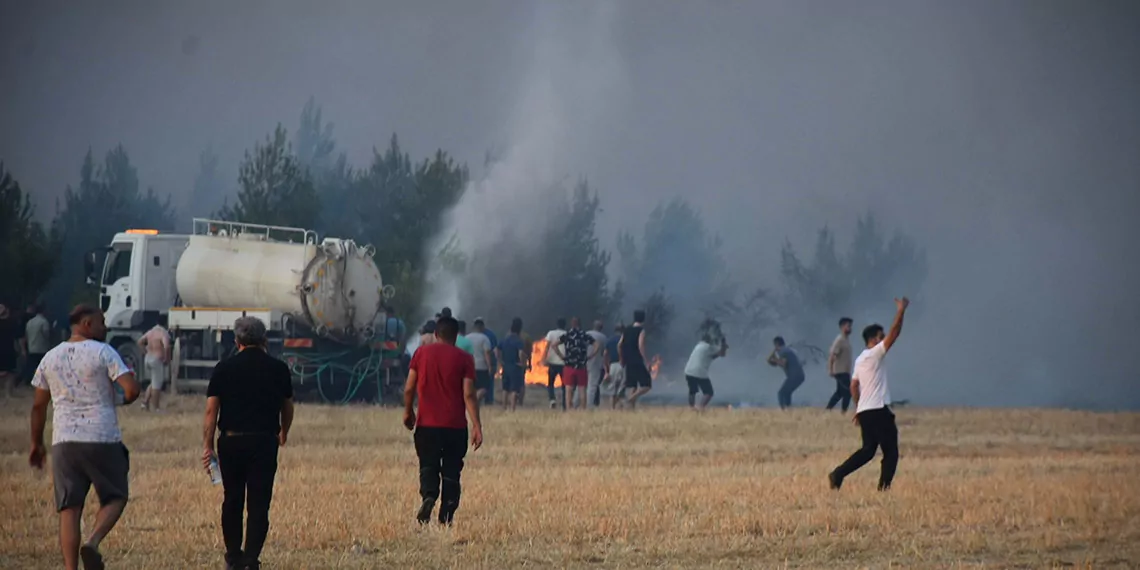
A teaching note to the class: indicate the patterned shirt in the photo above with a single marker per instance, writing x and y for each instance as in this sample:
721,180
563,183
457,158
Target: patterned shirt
80,377
576,345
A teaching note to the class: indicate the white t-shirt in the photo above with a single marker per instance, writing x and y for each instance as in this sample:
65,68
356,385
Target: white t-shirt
479,344
80,377
552,355
597,363
872,375
701,360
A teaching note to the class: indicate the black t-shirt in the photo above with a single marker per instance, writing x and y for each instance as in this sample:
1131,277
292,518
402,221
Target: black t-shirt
251,387
630,349
10,334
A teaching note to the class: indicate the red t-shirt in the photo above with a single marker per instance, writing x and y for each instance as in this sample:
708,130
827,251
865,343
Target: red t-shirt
440,370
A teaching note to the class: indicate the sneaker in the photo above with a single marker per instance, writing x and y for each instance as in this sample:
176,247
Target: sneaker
91,558
553,404
834,481
424,514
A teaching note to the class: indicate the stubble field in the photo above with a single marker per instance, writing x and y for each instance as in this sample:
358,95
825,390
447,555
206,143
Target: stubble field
660,487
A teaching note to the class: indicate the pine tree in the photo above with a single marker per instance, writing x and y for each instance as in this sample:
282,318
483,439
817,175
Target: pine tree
274,189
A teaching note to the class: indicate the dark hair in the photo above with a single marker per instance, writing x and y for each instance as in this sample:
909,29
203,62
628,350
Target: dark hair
560,323
81,312
871,332
845,321
516,325
461,324
778,341
429,327
639,316
36,308
620,326
445,312
480,322
447,329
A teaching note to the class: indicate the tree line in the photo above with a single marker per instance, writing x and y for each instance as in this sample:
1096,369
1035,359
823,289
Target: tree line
674,268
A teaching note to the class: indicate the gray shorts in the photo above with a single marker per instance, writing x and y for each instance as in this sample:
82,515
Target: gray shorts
76,466
156,372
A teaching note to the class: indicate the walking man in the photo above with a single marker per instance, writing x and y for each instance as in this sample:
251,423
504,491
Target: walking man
697,371
10,333
512,356
575,348
596,366
872,404
481,351
786,358
252,392
461,340
554,362
37,341
615,374
839,366
77,378
633,359
156,341
493,365
442,378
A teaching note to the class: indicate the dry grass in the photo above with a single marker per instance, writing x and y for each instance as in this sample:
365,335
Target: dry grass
657,488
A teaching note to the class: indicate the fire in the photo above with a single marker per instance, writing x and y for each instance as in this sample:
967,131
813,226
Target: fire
538,370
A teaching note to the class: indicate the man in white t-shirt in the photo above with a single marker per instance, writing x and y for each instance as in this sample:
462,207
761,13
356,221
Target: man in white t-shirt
554,363
872,404
697,371
596,366
156,341
78,378
481,352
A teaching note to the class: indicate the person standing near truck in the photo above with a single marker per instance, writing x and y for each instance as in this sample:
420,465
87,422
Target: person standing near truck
156,341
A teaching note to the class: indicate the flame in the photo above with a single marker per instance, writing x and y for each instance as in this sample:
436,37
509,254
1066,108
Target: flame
654,366
538,370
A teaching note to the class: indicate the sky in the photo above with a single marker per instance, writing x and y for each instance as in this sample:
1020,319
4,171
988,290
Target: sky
1003,136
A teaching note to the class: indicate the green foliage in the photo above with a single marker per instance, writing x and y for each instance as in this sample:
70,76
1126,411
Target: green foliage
107,201
274,189
28,253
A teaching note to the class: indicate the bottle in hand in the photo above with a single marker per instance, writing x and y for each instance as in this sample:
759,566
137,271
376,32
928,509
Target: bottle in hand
215,471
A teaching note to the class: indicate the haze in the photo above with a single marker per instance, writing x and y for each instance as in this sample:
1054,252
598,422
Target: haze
1003,136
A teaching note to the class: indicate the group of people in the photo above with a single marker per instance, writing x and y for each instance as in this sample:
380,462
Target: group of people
249,414
28,338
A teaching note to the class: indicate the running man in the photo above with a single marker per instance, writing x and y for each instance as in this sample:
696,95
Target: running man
697,371
839,366
872,404
78,379
513,357
442,378
554,362
786,358
156,341
633,359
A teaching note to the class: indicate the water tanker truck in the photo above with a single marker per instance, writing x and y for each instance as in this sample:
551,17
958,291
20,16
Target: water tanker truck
321,301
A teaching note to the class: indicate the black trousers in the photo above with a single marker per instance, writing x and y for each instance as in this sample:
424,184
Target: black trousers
249,465
30,366
553,371
441,452
785,394
842,391
879,431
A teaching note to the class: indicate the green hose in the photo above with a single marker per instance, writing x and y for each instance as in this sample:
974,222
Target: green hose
319,367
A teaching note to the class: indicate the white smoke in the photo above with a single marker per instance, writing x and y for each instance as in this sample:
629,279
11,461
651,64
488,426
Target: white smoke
570,92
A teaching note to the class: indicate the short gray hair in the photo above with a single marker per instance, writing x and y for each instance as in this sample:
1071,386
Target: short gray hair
249,331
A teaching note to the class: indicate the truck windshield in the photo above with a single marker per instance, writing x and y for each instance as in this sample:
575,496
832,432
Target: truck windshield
118,264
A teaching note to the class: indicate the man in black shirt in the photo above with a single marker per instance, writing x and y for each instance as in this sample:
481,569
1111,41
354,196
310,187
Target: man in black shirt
253,392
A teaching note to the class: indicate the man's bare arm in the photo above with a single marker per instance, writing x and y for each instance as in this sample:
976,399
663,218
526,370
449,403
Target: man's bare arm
410,391
855,392
597,346
210,422
641,346
831,363
286,419
131,388
39,416
621,357
471,402
896,328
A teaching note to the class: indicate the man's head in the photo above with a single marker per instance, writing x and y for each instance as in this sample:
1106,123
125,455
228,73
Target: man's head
429,328
778,342
462,327
445,312
249,332
639,316
389,310
35,309
480,325
845,325
599,325
560,323
873,335
447,329
163,320
87,322
516,325
575,323
619,327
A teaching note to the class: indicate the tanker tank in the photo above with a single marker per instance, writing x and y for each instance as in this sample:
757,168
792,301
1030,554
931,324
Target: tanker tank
332,288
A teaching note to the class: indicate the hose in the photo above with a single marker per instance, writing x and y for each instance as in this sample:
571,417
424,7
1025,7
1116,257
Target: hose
326,366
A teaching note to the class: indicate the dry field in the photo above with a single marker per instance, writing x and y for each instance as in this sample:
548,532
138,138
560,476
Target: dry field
661,487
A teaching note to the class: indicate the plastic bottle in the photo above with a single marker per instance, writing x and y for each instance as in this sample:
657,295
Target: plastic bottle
215,471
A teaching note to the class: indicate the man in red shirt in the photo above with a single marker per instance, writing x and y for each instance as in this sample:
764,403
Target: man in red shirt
443,378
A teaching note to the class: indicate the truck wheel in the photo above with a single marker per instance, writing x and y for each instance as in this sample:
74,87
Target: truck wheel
132,356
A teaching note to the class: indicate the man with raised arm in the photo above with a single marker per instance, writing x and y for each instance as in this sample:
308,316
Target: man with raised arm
872,404
78,378
442,378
